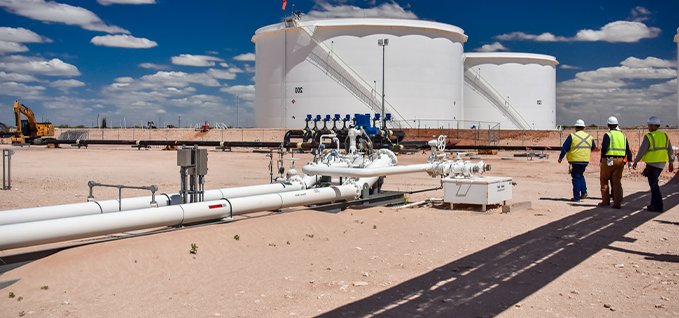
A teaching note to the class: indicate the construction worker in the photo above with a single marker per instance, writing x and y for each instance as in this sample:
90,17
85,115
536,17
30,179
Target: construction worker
614,149
655,150
577,148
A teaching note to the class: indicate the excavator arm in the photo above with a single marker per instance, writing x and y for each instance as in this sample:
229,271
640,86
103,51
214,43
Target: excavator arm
36,130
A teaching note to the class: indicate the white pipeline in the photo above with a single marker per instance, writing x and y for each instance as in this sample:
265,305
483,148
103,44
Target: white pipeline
108,206
57,230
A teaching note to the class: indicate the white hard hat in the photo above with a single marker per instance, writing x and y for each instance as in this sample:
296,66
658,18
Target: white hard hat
612,120
579,123
654,120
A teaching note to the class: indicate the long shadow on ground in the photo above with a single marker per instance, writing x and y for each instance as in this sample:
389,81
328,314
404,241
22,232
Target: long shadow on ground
489,281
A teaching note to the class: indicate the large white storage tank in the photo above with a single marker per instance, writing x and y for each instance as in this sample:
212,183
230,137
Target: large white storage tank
518,90
335,67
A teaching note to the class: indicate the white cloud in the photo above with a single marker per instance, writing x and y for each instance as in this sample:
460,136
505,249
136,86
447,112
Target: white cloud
323,10
60,13
569,67
21,35
14,77
223,65
200,100
66,85
491,47
195,60
246,92
639,14
648,62
622,92
110,2
154,66
54,67
245,57
618,31
180,79
22,90
122,40
12,47
228,74
212,52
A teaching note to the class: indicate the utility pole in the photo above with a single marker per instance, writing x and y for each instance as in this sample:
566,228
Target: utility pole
237,101
180,122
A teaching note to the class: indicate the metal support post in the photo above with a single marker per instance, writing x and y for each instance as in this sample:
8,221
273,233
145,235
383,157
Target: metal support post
152,188
7,169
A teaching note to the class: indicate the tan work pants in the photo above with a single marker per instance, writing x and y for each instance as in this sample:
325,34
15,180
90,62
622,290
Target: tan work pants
614,174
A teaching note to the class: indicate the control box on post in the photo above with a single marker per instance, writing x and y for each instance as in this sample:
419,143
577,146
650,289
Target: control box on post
193,163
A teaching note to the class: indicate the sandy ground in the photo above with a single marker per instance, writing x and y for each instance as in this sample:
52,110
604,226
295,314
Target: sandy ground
558,259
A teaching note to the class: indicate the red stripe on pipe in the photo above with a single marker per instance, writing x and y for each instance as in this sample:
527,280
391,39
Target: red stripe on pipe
217,206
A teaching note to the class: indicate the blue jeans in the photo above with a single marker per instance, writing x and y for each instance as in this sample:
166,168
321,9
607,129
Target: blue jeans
579,184
656,196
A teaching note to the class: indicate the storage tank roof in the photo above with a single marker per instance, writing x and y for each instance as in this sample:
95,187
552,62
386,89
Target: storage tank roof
376,22
510,55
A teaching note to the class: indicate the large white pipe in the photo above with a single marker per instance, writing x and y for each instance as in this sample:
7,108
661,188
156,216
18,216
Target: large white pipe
57,230
367,171
108,206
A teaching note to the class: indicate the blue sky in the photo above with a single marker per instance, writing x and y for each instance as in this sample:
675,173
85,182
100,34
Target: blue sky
145,60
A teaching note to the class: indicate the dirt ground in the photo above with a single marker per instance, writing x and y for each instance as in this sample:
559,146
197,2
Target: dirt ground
557,259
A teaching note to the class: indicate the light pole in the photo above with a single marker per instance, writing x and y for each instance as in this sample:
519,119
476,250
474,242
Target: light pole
383,43
237,121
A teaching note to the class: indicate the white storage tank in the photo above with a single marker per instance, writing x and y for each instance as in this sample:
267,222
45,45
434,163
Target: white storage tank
335,67
518,90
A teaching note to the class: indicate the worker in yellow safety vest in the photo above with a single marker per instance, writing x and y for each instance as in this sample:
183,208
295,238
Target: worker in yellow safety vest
577,148
614,149
655,151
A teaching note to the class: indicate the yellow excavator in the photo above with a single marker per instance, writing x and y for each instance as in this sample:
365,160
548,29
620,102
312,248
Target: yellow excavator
29,130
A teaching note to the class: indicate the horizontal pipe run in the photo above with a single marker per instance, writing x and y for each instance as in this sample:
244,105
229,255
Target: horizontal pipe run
136,203
57,230
366,172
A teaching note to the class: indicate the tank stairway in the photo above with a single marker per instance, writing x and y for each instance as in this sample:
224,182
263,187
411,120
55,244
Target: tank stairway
477,83
333,66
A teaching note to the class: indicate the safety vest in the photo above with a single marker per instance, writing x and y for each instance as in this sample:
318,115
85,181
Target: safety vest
657,148
581,147
618,145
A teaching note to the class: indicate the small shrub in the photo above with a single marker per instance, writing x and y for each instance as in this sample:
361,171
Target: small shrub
288,242
310,235
236,237
22,313
11,295
374,227
194,248
44,287
20,298
272,244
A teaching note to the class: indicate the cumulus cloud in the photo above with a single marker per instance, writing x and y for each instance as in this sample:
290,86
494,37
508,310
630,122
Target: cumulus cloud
200,100
21,35
246,92
639,14
122,40
228,74
492,47
53,67
618,31
180,79
42,10
66,85
22,90
245,57
195,60
323,9
569,67
12,47
647,62
14,77
621,91
155,66
110,2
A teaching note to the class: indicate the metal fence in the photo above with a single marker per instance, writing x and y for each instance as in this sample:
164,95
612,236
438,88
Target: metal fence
482,132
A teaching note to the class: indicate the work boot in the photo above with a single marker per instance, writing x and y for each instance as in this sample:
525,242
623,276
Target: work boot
575,200
603,204
651,208
583,196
